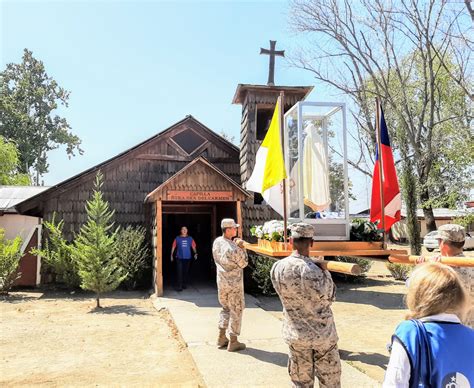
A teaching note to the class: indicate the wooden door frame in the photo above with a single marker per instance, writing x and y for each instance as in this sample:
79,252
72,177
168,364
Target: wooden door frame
160,210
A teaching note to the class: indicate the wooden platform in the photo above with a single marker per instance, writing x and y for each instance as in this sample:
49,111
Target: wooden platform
328,248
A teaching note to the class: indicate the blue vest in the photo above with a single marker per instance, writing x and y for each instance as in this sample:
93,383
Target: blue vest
183,246
452,353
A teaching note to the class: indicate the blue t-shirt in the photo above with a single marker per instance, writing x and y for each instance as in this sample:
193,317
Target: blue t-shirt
183,247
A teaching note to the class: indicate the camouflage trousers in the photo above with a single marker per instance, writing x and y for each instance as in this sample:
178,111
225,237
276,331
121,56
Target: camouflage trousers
304,364
233,304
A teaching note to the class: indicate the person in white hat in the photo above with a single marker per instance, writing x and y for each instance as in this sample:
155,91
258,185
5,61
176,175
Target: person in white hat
230,258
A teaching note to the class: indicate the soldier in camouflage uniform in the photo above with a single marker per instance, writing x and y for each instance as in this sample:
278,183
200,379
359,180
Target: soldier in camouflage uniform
230,258
451,239
306,292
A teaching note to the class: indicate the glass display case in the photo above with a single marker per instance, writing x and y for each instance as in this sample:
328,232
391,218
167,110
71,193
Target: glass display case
315,148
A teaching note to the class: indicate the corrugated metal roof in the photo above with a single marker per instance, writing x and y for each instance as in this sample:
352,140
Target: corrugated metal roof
439,213
11,195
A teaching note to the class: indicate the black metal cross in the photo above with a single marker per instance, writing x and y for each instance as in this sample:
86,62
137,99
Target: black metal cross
272,52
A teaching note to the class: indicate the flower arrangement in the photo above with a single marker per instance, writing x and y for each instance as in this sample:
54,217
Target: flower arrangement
270,231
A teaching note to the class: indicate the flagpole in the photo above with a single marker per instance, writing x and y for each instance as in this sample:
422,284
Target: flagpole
282,131
380,162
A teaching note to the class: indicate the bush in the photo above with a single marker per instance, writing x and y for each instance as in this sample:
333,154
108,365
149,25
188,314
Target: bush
10,255
132,253
261,267
364,264
399,271
363,230
57,254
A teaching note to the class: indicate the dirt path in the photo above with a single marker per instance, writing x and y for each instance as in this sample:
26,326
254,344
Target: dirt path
56,340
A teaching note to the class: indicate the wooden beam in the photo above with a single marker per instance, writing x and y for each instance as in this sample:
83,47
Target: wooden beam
451,261
159,250
315,252
336,266
239,218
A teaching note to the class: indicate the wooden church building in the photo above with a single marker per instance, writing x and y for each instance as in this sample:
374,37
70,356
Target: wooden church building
184,175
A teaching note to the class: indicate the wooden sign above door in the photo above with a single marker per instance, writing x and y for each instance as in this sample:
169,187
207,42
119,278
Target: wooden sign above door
173,195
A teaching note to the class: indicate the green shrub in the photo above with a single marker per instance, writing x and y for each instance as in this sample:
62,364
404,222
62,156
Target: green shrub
399,271
57,254
364,230
467,220
132,253
261,267
10,255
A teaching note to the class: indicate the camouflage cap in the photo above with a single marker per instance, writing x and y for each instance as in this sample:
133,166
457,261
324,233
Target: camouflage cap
451,232
229,223
302,230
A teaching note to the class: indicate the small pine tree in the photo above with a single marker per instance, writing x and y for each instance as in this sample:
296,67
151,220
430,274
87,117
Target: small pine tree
94,247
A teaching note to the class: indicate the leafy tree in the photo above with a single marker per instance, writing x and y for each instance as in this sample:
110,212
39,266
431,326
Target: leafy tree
9,174
94,247
409,190
132,253
336,186
10,255
227,136
57,253
414,56
28,100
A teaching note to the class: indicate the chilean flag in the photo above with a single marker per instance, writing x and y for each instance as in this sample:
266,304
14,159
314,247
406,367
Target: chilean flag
391,191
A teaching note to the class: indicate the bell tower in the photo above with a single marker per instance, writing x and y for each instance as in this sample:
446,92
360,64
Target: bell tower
258,103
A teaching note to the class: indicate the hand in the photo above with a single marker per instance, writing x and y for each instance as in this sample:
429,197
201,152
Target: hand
423,259
172,258
195,256
420,260
239,242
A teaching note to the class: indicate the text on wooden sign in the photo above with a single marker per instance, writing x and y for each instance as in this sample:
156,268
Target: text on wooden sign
199,196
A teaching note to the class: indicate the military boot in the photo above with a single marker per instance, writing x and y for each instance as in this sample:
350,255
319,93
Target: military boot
222,340
234,345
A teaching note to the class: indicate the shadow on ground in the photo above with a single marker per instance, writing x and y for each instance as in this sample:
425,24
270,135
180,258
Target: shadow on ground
357,293
18,298
120,309
78,295
276,358
376,359
352,293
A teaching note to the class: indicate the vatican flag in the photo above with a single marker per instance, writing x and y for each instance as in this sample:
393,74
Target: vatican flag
269,170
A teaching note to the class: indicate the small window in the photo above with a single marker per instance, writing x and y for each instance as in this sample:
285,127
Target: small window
189,140
257,199
264,118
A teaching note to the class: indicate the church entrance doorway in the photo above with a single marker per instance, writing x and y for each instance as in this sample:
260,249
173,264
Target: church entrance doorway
198,196
203,223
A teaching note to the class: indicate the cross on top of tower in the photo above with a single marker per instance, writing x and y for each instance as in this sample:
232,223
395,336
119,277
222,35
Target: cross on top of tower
271,67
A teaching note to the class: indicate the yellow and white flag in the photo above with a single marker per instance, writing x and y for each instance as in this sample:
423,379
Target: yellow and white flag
269,170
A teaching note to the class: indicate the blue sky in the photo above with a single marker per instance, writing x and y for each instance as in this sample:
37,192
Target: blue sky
135,68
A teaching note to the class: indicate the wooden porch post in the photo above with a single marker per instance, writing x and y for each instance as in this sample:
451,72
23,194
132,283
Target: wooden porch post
159,250
239,218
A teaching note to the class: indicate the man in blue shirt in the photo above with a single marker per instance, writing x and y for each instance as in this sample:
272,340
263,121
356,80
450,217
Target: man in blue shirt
185,248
